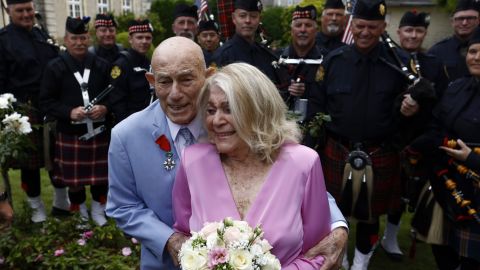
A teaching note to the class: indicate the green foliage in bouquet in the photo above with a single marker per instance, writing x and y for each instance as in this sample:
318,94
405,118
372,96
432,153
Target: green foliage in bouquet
61,244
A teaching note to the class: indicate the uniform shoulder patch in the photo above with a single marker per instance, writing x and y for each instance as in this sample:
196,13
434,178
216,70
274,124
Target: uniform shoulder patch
115,72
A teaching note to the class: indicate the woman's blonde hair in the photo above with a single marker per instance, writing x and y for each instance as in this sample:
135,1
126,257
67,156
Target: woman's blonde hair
258,111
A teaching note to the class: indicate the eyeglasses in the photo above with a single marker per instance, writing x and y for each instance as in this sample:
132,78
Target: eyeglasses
467,18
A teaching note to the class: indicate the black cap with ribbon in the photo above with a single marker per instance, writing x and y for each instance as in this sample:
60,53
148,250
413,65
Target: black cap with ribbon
184,10
140,26
207,26
336,4
77,26
249,5
463,5
371,10
106,20
12,2
307,12
414,18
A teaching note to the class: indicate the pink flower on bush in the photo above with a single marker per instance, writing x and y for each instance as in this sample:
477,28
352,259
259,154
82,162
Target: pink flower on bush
81,242
59,252
126,251
217,255
87,235
2,260
134,241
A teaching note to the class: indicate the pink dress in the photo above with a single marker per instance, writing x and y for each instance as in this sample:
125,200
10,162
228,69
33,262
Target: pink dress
291,205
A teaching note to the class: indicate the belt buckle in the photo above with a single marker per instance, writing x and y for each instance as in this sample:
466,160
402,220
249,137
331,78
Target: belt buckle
358,158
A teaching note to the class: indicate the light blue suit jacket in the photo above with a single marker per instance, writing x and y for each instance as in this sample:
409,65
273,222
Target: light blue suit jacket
140,189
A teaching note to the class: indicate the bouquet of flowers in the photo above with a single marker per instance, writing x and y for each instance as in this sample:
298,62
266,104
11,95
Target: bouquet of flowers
228,245
13,130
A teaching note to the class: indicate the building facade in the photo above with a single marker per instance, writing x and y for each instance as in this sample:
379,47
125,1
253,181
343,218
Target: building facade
55,12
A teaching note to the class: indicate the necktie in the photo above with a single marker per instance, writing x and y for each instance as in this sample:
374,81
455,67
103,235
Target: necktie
187,135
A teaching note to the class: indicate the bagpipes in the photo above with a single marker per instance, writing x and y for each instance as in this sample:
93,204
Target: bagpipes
420,89
91,131
46,34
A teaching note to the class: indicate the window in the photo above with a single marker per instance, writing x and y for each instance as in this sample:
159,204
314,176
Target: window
102,6
127,6
75,8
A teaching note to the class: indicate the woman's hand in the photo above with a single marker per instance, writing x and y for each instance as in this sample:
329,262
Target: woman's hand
458,154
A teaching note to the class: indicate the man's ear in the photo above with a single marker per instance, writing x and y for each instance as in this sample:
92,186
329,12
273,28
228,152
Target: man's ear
150,78
210,71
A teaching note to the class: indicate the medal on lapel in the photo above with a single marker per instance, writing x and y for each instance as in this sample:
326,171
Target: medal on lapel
164,144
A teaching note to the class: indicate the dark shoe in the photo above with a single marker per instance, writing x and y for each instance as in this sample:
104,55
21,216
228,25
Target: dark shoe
58,212
396,257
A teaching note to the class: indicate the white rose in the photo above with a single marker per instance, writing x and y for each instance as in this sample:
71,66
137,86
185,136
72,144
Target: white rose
265,245
193,260
213,241
242,226
232,235
271,262
25,126
241,259
209,228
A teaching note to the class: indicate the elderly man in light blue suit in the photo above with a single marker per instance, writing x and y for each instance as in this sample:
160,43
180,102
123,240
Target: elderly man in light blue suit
144,154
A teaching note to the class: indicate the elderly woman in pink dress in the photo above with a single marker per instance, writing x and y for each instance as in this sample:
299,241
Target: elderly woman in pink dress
253,168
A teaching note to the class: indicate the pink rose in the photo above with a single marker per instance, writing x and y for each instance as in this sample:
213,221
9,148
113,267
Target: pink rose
81,242
232,234
209,229
134,240
217,256
126,251
59,252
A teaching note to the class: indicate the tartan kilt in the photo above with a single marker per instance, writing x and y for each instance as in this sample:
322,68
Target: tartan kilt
79,163
386,176
34,157
466,240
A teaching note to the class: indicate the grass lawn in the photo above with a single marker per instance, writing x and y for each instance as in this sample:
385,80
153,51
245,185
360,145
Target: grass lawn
423,260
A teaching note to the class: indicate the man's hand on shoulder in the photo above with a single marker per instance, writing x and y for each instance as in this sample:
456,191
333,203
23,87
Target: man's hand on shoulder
174,244
332,247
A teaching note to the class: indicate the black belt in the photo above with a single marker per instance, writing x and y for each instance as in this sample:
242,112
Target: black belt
350,144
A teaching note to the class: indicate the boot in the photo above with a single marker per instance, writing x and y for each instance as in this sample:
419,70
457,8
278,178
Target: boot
98,213
345,263
360,261
61,203
389,242
38,209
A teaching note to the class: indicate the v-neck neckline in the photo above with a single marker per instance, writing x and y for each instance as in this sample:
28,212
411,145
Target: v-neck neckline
261,192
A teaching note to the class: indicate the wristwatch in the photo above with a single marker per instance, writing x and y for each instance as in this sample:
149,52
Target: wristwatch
3,196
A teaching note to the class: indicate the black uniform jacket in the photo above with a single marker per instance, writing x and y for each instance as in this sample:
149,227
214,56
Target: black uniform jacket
132,91
238,49
328,44
452,52
23,57
359,93
60,92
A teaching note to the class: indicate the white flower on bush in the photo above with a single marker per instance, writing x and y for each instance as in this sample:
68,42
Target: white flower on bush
3,103
241,259
193,259
17,123
9,97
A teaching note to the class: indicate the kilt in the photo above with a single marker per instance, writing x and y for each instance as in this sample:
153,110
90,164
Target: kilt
466,240
34,157
386,175
79,163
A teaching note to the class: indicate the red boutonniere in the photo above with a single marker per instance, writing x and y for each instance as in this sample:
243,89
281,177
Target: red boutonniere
164,144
